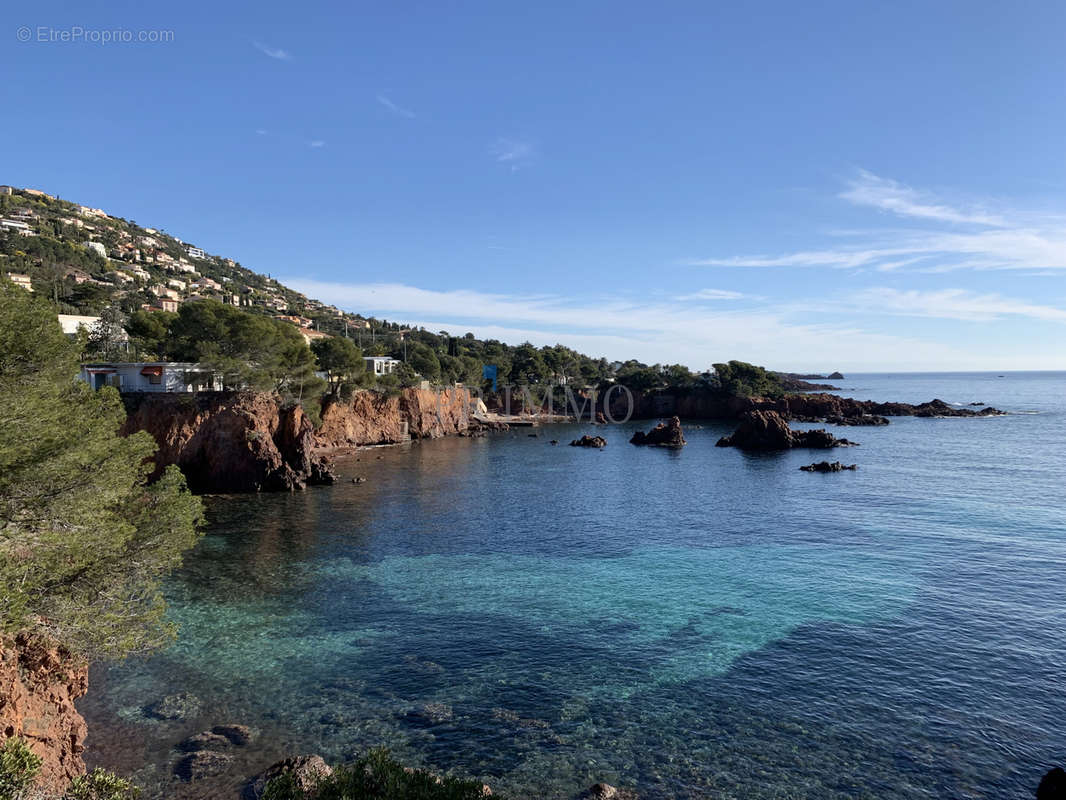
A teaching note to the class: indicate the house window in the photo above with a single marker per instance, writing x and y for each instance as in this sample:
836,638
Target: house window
155,380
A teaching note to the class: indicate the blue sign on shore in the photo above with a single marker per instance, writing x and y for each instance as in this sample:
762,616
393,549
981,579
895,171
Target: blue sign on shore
488,372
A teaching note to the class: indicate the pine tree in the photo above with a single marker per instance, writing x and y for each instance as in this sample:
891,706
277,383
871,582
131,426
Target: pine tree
84,539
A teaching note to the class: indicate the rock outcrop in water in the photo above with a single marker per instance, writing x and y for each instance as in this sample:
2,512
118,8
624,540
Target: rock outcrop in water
828,466
38,686
668,434
230,441
589,441
1052,785
768,430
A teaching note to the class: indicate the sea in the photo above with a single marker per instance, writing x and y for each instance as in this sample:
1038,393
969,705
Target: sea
693,623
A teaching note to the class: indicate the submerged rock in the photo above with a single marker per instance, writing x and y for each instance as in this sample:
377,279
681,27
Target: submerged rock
239,735
826,466
204,741
431,713
589,441
307,770
604,791
202,764
668,434
768,430
174,707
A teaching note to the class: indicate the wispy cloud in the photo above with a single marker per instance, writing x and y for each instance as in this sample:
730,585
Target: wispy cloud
868,189
316,143
965,239
261,132
713,294
958,304
515,153
395,109
273,52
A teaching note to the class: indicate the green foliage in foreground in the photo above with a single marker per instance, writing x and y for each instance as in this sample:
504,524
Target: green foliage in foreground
84,539
376,776
19,767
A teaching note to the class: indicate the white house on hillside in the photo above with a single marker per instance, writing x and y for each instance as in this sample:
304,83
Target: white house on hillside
151,376
381,365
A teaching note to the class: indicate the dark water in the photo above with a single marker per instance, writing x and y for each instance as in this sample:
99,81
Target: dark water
700,623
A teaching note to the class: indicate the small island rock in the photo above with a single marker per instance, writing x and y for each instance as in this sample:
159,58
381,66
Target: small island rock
828,466
768,430
589,441
667,434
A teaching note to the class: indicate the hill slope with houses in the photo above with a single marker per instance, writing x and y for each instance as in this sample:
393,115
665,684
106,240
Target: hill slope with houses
86,260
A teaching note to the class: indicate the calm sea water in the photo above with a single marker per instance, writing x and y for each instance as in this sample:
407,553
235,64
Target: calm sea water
701,623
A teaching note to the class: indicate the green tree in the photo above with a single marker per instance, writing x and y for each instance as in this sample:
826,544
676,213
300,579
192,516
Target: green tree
340,359
741,379
84,538
423,360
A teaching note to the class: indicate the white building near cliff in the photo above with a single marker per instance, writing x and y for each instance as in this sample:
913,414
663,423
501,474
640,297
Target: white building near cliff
151,376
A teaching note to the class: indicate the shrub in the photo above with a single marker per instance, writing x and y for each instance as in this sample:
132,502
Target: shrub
101,785
18,767
376,776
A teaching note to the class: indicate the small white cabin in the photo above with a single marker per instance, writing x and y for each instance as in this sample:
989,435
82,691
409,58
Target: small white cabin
381,365
151,376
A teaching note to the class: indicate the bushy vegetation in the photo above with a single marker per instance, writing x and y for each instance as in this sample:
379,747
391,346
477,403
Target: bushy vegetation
19,767
740,379
84,538
376,776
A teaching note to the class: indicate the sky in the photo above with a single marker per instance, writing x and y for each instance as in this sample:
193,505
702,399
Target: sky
808,186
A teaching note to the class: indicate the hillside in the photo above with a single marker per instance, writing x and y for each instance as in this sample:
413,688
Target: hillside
88,261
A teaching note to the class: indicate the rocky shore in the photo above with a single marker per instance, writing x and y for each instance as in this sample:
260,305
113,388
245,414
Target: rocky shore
38,686
249,442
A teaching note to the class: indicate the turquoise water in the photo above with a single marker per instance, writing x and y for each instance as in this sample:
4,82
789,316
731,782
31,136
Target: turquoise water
695,623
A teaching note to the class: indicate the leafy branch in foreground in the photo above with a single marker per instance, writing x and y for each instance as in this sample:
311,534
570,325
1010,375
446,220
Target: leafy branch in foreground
84,539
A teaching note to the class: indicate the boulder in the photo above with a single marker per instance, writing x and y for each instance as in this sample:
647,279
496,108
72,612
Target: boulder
589,441
307,770
768,430
1052,785
668,434
834,376
827,466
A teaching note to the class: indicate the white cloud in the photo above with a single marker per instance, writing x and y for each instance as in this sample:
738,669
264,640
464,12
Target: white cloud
1012,241
316,143
395,109
871,190
664,333
516,153
273,52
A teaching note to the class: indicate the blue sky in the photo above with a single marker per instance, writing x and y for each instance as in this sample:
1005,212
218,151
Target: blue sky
810,186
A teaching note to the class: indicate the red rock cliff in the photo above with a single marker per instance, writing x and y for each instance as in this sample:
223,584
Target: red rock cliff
38,687
372,418
229,442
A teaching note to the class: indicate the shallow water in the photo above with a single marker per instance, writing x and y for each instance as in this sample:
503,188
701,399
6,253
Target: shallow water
701,623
